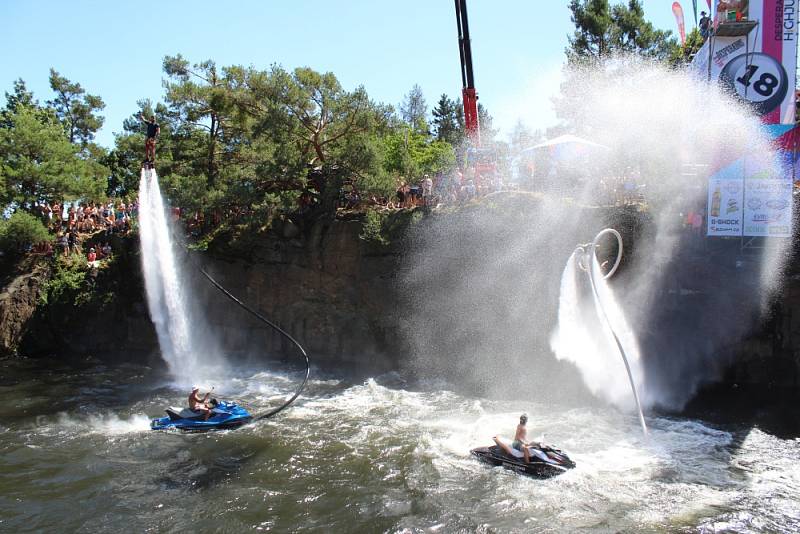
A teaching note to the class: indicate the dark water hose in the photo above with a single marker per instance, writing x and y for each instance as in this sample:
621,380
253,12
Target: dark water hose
589,250
278,329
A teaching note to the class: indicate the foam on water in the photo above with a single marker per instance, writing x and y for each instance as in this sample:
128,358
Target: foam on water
375,456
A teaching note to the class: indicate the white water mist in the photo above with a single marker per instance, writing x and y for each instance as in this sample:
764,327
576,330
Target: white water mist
166,297
481,286
584,340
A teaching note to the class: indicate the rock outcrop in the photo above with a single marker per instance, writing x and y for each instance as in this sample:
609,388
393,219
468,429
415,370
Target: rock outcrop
18,302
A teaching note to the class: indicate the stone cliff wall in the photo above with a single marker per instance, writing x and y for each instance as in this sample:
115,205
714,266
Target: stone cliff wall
342,297
338,298
18,301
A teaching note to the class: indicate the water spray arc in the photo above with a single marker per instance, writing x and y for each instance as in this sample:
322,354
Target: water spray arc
167,295
587,262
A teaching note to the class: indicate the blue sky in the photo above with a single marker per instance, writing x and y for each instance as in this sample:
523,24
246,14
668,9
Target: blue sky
115,48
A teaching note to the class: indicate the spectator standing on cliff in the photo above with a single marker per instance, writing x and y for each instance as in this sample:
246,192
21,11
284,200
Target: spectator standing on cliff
63,243
91,258
73,240
427,190
401,195
704,25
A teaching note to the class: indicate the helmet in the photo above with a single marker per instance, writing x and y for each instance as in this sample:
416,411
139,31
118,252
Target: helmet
523,418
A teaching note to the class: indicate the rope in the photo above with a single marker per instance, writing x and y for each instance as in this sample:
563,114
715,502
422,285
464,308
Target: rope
278,329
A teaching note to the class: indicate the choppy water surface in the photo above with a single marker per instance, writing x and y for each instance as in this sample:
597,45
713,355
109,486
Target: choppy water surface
371,456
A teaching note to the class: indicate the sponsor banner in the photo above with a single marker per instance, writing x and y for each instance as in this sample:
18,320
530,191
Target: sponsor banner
767,204
725,196
747,199
759,67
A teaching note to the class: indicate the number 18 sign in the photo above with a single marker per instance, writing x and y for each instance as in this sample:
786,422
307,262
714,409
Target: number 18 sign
758,79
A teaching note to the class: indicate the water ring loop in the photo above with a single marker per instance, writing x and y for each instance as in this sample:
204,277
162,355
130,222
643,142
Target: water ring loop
616,234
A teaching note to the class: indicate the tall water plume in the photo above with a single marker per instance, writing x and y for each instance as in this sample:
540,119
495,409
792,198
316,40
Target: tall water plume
483,284
584,339
182,335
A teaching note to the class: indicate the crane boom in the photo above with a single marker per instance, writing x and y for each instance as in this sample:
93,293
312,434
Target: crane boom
468,93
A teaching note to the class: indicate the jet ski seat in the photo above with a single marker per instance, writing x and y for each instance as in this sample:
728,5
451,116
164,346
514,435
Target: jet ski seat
187,413
183,413
533,451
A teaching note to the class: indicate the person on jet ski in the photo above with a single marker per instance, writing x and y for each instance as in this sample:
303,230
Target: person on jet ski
521,442
521,438
200,405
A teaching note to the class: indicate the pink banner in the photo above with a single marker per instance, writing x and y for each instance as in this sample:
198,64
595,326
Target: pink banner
677,10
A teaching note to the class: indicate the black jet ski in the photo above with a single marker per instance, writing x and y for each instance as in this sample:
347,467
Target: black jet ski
545,461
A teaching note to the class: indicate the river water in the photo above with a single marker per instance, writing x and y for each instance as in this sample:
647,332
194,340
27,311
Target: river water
365,455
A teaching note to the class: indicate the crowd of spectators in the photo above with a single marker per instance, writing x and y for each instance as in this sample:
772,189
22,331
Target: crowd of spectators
72,224
443,189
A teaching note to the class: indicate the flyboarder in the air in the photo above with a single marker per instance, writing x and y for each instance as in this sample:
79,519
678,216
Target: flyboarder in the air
150,143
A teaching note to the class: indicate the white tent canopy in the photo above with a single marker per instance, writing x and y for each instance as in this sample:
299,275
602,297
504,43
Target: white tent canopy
564,140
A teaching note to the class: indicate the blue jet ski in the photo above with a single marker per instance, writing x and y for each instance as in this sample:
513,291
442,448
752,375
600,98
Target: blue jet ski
226,415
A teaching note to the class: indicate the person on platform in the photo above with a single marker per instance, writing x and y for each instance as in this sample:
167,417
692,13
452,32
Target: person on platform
704,25
198,404
153,130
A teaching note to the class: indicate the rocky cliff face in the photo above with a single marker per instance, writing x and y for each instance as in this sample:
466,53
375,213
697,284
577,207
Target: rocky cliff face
349,302
105,316
18,302
338,298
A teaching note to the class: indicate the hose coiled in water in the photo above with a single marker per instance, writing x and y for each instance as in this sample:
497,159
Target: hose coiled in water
278,329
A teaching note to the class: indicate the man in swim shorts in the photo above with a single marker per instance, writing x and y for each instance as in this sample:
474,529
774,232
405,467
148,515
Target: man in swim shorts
521,437
199,405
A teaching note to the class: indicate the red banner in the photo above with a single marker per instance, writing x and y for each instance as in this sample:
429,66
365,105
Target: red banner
677,10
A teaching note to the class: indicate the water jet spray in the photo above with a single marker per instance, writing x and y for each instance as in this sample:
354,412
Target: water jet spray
587,262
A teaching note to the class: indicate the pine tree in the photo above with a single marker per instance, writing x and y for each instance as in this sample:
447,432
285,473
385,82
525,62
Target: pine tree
602,30
76,109
414,109
447,126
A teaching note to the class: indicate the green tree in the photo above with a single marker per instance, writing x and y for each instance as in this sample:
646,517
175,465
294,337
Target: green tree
20,97
522,137
684,54
602,30
447,123
199,96
40,164
485,122
409,155
19,231
414,109
76,109
310,122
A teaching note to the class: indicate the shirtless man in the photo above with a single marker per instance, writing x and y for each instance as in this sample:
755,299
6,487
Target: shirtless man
521,442
521,438
200,405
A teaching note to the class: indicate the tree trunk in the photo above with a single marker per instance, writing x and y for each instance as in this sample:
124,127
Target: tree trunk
212,138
